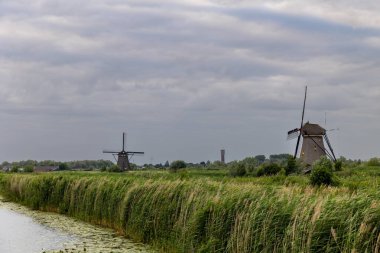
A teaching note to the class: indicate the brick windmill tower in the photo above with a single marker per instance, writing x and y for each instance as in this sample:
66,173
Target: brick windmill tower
123,156
312,140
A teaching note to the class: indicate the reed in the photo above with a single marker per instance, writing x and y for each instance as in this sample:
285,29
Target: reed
176,214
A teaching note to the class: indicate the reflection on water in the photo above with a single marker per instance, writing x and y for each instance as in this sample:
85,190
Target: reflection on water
24,230
19,233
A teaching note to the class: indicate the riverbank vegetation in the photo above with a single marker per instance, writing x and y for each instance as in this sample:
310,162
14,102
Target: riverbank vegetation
199,210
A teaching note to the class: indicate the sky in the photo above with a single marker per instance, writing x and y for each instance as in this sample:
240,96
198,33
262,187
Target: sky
186,78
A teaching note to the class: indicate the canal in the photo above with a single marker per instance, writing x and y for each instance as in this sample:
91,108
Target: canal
24,230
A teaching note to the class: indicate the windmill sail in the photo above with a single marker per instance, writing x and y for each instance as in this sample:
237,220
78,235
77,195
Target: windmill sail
110,151
292,134
303,114
330,147
135,153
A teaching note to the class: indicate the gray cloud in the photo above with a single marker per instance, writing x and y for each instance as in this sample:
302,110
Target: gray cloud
184,78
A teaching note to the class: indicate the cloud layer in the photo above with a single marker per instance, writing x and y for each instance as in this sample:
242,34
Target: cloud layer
185,78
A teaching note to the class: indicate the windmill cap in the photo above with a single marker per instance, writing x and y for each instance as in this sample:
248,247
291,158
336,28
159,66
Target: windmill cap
313,129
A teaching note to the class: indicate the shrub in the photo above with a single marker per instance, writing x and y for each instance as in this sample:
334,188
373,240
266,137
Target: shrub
250,168
176,165
260,171
338,165
321,176
291,166
63,166
250,164
324,162
28,168
217,165
133,166
373,162
269,169
237,169
322,172
282,172
14,169
114,168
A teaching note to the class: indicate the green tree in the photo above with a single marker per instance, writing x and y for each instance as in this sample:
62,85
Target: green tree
260,158
250,164
5,164
63,166
373,162
338,165
291,166
237,169
28,168
158,166
176,165
279,158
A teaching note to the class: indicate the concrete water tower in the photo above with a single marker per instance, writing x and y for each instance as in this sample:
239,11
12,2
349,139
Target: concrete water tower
222,155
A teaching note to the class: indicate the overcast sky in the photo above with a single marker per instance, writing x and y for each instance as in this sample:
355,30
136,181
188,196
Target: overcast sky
185,78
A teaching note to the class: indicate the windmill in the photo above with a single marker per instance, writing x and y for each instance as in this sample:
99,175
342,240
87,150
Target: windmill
123,156
312,140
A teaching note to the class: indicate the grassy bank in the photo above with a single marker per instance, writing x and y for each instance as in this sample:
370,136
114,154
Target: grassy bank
212,213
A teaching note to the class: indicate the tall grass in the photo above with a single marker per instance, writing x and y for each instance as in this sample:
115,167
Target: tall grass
204,215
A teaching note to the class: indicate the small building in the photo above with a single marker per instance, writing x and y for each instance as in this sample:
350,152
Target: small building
45,168
6,168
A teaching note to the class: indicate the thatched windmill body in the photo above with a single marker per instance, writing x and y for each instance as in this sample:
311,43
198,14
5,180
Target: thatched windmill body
123,156
312,140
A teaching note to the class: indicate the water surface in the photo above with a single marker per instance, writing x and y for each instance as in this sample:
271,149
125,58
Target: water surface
23,230
20,233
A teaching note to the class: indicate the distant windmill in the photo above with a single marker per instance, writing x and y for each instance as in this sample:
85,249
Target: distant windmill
123,156
312,145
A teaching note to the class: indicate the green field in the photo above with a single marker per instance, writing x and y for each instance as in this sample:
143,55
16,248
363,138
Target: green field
199,210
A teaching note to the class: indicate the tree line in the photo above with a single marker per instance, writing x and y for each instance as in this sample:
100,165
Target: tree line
70,165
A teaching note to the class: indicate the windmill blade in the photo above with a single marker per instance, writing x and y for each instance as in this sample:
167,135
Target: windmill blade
303,114
110,152
329,145
292,134
123,141
304,105
298,143
135,153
